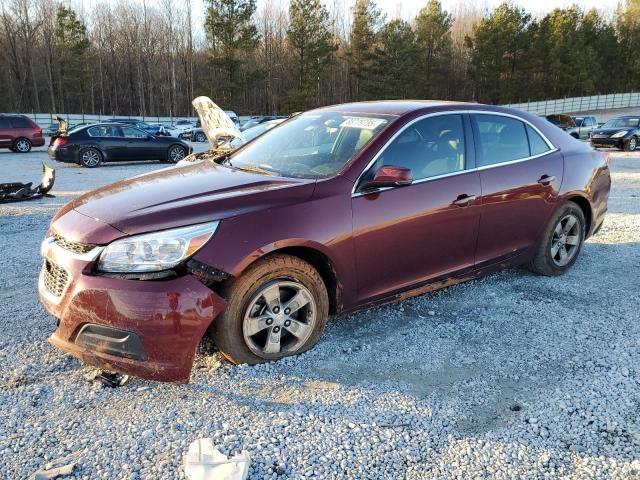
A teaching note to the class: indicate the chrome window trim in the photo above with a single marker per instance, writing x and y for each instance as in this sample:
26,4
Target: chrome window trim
552,149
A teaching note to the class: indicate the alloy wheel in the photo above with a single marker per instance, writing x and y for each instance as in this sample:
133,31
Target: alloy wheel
633,143
176,154
90,158
23,146
565,241
279,319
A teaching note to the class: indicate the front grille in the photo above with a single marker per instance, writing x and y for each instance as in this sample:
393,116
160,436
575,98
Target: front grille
55,278
75,247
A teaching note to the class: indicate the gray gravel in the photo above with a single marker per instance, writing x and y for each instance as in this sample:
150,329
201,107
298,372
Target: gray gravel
509,376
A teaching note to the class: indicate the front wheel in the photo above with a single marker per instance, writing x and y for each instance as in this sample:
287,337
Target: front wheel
561,242
631,144
277,308
176,153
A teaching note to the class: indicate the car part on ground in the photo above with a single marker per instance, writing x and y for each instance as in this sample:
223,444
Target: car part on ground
204,462
337,209
17,192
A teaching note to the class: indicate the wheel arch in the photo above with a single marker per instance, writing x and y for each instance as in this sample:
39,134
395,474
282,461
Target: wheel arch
587,210
310,253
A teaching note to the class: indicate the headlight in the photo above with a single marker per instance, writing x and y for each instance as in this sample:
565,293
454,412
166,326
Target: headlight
153,252
619,134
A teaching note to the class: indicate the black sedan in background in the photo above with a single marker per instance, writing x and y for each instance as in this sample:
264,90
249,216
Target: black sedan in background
621,132
90,145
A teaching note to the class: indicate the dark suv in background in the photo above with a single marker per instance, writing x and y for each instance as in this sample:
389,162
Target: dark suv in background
19,133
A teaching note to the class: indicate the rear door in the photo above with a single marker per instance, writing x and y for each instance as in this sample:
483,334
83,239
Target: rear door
520,174
6,134
407,235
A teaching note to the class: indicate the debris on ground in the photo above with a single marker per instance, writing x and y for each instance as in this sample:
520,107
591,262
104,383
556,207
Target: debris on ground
106,378
204,462
62,467
17,192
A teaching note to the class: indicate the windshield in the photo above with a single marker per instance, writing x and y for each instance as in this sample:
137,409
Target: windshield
622,122
311,145
578,121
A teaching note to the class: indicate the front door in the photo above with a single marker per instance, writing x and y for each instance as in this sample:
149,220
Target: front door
520,174
6,134
406,235
137,145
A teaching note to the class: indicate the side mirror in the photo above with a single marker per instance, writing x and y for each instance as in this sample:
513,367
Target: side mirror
389,176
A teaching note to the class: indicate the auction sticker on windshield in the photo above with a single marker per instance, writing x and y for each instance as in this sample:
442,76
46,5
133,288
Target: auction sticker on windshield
363,122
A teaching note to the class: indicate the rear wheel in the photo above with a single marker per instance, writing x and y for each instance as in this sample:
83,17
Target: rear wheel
561,241
176,153
90,158
277,308
201,137
631,144
22,145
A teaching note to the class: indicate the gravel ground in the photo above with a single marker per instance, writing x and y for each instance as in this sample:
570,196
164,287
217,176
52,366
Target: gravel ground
511,376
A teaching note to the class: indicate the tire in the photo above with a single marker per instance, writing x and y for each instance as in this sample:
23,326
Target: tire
631,144
545,261
176,153
201,137
90,157
22,145
232,330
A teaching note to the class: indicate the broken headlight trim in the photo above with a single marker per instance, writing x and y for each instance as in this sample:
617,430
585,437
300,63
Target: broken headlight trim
154,252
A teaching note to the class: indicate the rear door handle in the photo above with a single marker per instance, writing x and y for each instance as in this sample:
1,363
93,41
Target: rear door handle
464,200
546,179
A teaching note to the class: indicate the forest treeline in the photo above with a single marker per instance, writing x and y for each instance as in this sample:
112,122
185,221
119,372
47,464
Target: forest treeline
152,58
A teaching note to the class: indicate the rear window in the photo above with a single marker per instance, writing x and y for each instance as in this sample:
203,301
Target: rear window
536,142
20,122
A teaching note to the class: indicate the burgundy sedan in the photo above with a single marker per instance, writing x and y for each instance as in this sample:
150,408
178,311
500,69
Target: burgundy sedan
336,209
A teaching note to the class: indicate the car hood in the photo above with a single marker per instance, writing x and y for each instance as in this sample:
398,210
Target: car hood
215,123
193,194
610,131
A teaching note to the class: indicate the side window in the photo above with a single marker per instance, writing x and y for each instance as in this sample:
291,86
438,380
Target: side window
4,123
430,147
536,142
19,122
101,131
130,132
501,139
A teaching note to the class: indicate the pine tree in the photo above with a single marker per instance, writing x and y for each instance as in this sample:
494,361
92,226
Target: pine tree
433,32
367,18
233,37
310,37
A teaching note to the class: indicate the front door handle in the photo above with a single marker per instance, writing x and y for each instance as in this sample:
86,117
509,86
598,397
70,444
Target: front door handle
463,200
546,179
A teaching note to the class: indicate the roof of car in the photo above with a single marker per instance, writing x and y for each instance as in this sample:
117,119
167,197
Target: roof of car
394,107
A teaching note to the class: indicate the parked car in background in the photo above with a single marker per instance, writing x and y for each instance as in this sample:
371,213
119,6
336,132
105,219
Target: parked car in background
232,115
182,125
622,132
577,126
90,145
257,120
19,133
337,209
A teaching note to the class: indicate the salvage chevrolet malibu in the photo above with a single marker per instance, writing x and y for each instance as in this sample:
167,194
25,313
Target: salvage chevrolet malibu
333,210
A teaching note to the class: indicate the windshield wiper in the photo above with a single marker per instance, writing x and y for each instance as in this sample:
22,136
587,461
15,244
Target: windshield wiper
254,169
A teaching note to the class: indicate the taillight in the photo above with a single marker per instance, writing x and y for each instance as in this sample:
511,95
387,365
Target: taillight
58,142
38,132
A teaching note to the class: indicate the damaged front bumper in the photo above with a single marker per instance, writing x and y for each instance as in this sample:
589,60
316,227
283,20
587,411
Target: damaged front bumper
149,329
